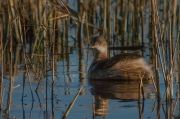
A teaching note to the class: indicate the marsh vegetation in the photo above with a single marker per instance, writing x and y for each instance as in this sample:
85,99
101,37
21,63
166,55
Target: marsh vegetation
45,55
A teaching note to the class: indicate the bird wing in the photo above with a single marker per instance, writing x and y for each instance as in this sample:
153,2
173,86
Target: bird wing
118,58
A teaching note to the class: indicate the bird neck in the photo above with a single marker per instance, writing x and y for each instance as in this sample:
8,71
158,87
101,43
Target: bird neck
100,56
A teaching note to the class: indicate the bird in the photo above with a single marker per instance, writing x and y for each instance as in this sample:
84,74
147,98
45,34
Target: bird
123,67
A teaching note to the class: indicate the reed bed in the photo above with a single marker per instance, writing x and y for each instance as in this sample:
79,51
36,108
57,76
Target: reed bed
36,34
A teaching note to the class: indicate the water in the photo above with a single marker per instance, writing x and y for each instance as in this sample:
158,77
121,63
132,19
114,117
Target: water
98,99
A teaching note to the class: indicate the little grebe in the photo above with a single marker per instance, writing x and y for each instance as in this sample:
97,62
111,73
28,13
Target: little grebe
123,66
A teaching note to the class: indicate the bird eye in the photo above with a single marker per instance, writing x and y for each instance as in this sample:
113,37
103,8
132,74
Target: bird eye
99,43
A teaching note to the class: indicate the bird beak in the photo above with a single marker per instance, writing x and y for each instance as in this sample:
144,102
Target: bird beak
94,47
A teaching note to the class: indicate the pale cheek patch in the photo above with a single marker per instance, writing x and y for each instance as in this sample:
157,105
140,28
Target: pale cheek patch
102,49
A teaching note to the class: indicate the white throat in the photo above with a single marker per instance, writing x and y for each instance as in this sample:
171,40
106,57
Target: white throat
102,49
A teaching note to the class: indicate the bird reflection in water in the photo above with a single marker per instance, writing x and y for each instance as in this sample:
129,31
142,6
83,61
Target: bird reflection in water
124,91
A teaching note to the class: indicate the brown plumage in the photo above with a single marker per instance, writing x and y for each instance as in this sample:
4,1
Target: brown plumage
122,67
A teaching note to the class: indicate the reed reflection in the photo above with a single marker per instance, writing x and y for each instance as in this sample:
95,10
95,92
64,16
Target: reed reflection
124,91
